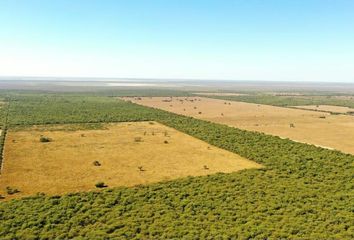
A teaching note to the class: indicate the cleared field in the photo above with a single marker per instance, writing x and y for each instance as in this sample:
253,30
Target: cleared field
128,153
327,108
318,128
219,94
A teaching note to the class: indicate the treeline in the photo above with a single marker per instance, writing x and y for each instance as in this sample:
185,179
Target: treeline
304,192
55,109
286,101
3,127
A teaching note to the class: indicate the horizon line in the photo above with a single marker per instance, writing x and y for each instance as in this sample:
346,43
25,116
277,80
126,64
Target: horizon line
72,78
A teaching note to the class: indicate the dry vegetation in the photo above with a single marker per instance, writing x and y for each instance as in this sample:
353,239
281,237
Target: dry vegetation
318,128
220,94
327,108
124,154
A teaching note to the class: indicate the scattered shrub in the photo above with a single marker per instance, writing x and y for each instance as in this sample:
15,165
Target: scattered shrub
11,190
100,185
44,139
96,163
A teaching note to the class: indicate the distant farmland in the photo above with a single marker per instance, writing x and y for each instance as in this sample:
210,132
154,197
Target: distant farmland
327,108
313,127
61,145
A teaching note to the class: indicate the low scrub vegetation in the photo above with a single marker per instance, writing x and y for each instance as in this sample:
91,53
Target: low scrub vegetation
285,101
44,139
100,185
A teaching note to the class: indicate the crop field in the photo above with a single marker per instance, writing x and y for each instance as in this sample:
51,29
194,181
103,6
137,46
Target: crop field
310,127
327,108
128,154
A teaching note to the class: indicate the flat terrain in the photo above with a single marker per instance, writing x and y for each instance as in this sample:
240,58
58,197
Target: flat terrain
220,94
66,163
318,128
327,108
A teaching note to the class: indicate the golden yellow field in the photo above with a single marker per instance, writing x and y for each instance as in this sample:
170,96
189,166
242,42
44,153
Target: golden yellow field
220,94
129,154
328,108
321,129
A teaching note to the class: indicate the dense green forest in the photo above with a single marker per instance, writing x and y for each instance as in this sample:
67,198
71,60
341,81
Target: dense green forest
304,192
286,101
3,126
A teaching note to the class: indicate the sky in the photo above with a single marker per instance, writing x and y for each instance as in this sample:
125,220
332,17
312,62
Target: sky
277,40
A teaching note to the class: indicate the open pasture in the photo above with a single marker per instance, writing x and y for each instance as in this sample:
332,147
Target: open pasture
127,154
327,108
318,128
220,94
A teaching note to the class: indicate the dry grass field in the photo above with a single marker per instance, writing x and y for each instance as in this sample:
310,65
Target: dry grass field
318,128
220,94
128,153
327,108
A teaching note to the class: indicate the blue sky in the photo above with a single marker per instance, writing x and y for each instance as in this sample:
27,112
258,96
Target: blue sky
291,40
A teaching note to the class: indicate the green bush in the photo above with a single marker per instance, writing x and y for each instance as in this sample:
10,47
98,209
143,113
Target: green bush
100,185
44,139
11,191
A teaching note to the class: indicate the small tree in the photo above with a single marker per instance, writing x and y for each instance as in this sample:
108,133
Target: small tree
11,190
96,163
100,185
165,142
44,139
138,139
141,169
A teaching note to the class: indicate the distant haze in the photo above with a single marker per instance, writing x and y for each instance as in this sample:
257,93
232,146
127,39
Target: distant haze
88,84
